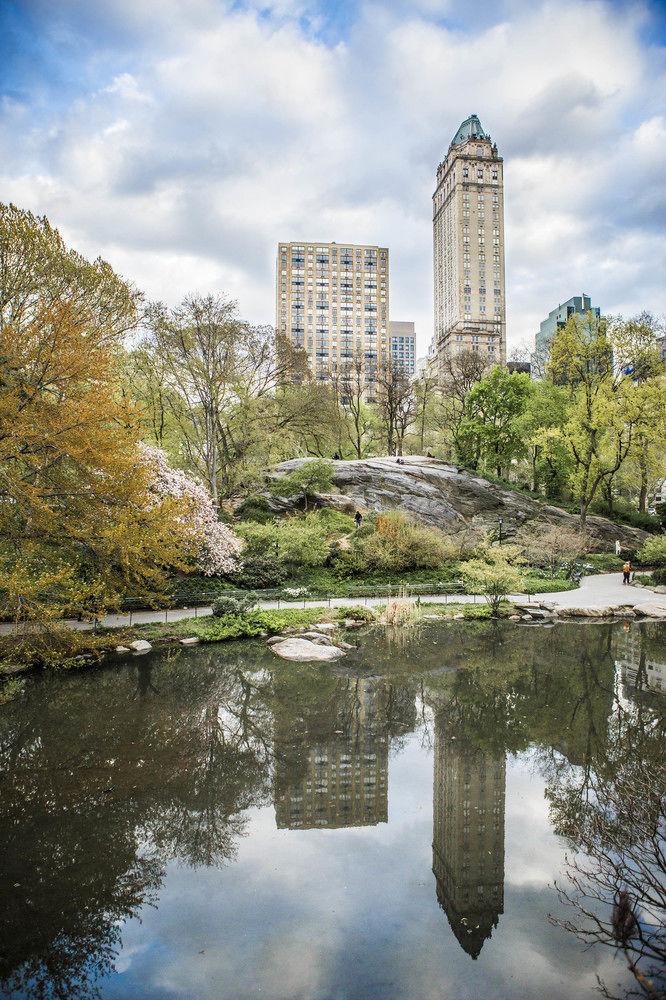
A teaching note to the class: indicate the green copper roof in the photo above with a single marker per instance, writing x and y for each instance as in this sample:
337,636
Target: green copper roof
471,128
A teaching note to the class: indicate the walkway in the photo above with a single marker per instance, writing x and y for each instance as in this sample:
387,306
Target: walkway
603,591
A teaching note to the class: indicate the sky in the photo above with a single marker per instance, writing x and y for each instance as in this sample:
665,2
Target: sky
182,139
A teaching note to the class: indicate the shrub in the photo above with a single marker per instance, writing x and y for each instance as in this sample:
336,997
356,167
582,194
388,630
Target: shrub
358,613
399,544
223,606
659,576
299,540
254,508
653,552
259,573
494,576
313,476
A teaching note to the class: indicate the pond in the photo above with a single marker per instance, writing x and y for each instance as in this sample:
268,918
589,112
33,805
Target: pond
218,823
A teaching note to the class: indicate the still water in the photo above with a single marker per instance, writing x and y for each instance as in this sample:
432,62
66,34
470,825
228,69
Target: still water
218,823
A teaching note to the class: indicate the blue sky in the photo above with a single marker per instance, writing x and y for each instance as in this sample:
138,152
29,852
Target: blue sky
182,140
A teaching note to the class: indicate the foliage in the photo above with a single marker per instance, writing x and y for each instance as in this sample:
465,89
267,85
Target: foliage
398,545
11,689
313,476
490,432
225,605
79,526
259,573
246,625
215,547
298,540
254,508
617,400
494,575
653,552
553,545
358,613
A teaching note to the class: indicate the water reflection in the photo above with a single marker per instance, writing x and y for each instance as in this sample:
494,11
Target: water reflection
468,836
111,777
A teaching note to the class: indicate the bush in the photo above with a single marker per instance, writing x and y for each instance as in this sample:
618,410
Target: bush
659,576
359,613
259,573
493,576
653,552
223,606
313,476
300,540
399,544
254,508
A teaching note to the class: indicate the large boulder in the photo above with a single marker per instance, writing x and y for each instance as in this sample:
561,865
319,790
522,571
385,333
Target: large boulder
442,495
305,650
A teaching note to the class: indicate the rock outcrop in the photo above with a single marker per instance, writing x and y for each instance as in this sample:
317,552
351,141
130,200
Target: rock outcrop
444,496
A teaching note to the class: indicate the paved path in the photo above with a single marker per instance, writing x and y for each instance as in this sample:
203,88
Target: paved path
605,590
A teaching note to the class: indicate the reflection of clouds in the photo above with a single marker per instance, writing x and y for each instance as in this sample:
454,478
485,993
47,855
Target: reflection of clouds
350,913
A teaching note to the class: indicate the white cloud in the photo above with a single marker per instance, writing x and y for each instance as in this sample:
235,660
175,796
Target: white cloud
223,131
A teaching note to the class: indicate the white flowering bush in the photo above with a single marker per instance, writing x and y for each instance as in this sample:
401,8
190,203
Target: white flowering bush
216,547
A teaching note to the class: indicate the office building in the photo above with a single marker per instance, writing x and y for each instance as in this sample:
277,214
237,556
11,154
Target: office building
332,299
402,345
557,320
468,236
468,837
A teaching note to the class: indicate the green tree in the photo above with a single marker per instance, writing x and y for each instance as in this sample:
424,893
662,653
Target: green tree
610,369
490,433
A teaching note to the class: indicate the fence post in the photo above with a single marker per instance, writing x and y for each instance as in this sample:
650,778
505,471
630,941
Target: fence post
195,610
130,616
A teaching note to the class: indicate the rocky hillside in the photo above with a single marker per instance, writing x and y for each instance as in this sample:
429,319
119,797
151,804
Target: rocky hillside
446,497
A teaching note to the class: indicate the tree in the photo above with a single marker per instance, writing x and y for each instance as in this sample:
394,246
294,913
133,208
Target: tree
553,545
396,404
215,548
490,432
351,388
610,368
458,373
426,394
494,575
236,390
78,526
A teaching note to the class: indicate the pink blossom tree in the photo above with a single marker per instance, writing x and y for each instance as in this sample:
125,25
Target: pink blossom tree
216,549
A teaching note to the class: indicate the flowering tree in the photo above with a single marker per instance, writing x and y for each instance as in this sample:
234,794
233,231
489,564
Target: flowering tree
215,546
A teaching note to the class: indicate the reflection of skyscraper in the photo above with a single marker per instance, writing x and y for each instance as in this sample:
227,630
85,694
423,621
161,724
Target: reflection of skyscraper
343,780
468,838
638,668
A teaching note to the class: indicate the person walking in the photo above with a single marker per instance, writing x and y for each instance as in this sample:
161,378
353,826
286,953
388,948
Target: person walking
358,517
626,571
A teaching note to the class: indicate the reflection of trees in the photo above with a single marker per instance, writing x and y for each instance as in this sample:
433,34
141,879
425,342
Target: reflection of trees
613,811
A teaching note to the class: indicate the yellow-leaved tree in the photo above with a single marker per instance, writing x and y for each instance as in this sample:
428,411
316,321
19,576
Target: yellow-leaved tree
79,525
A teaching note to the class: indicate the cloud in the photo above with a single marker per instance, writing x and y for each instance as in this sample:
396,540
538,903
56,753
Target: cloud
202,134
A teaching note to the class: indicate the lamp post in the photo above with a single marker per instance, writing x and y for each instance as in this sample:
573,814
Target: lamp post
500,522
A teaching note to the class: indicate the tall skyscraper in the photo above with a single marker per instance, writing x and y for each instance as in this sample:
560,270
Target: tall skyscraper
468,837
333,300
468,234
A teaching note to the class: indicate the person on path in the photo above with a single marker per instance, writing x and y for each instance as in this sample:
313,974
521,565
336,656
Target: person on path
626,571
358,517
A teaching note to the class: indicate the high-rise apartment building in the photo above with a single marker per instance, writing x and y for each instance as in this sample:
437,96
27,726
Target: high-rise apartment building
468,234
402,345
332,299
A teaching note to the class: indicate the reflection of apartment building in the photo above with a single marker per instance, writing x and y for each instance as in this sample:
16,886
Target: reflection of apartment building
332,299
468,235
344,780
637,667
468,838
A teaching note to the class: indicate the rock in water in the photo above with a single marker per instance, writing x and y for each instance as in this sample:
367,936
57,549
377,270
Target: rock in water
140,646
443,496
304,649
